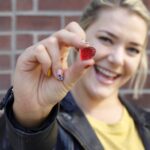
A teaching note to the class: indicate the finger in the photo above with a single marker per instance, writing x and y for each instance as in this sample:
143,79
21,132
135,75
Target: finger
73,35
76,71
44,59
34,56
52,46
57,46
67,38
74,27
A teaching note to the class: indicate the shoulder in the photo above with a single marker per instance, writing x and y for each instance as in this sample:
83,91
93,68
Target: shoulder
138,113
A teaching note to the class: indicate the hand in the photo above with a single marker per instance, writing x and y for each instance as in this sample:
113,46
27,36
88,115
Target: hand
35,92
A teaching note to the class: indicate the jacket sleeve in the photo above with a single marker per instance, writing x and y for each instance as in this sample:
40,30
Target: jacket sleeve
41,138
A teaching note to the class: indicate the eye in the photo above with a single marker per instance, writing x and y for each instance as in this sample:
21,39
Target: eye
133,51
105,40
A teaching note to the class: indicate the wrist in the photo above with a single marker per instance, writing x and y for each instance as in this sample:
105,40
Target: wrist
30,117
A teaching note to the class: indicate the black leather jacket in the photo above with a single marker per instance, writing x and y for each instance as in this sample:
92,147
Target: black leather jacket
66,128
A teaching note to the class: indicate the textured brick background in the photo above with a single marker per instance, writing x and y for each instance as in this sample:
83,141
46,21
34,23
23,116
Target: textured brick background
24,22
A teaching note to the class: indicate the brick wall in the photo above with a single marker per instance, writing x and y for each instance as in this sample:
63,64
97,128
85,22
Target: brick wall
24,22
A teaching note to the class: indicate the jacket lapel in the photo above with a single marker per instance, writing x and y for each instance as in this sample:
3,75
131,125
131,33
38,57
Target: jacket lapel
76,123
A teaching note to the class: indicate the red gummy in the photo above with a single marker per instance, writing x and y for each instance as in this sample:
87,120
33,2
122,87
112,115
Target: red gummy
87,53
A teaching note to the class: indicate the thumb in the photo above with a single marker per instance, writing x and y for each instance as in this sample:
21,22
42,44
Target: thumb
76,71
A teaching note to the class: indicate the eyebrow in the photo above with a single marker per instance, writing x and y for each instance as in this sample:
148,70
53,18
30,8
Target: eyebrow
114,36
109,33
136,44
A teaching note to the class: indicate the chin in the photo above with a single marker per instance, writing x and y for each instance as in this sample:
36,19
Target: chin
101,93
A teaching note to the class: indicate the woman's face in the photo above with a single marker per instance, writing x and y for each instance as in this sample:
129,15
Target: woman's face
119,38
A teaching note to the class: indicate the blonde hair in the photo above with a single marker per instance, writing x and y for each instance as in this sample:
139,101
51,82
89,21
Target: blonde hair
90,14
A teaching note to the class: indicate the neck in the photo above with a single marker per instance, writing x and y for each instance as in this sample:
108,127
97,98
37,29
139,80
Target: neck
107,109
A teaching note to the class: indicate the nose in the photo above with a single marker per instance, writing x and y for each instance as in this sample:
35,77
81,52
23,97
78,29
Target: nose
117,56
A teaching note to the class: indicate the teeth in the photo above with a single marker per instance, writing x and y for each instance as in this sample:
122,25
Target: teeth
106,72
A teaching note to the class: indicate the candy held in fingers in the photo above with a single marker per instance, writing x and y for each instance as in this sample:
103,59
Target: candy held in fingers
87,53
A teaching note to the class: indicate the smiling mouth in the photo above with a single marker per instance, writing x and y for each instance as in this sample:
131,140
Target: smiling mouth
106,76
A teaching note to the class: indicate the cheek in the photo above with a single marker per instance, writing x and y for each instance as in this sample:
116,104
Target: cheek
131,67
101,52
88,78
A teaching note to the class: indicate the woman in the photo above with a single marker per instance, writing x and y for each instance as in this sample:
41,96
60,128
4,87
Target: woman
74,107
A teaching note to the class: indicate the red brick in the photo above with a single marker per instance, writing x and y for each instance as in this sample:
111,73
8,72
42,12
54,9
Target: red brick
62,4
38,23
143,100
43,36
5,42
148,57
5,62
68,19
24,41
5,5
5,81
1,97
5,23
16,57
24,4
148,46
147,3
147,84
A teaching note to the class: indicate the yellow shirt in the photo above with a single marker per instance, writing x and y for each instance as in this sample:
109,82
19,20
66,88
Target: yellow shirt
120,136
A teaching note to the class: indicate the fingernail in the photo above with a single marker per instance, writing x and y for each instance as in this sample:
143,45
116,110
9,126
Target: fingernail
59,74
87,66
49,73
85,42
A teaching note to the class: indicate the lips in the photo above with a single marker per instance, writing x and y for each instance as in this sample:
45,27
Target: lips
106,76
